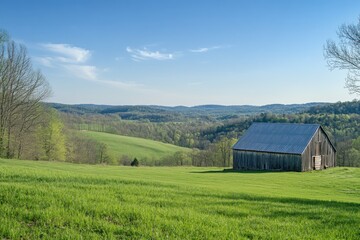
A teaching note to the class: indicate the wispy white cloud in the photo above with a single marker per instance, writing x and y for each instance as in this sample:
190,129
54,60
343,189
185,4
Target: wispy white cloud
122,84
74,60
67,53
142,54
206,49
199,50
71,58
45,61
85,72
91,73
145,54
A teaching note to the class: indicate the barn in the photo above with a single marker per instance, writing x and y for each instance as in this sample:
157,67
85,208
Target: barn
284,147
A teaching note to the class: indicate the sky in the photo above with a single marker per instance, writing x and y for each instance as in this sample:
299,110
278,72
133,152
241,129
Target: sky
174,52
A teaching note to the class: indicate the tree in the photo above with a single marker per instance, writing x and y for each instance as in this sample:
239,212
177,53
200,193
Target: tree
22,89
25,129
125,160
52,138
135,163
3,36
82,149
223,149
346,54
354,153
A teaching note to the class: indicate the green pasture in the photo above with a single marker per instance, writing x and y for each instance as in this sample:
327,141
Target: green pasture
140,148
51,200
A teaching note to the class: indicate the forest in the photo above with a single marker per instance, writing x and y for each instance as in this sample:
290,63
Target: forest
210,136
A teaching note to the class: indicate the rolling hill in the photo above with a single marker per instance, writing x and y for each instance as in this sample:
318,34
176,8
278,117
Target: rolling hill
154,113
134,147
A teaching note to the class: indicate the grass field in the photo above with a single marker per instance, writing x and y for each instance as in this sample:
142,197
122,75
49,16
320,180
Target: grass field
53,200
134,147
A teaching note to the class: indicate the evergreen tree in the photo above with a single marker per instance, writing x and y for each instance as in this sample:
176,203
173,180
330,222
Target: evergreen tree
135,163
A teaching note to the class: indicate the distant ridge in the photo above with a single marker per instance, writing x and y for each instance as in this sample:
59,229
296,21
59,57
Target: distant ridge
155,113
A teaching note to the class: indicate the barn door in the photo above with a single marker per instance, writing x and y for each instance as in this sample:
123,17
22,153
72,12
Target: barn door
317,162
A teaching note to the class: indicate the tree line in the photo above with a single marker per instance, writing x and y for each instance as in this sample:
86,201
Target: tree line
29,129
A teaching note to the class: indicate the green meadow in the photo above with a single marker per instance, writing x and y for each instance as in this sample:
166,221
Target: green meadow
53,200
119,145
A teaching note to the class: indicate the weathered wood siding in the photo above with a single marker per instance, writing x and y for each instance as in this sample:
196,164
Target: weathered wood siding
248,160
319,145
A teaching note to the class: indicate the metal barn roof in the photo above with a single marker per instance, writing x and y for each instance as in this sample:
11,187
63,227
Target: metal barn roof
277,137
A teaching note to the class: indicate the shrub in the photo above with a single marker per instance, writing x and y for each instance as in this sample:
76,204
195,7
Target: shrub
125,160
135,163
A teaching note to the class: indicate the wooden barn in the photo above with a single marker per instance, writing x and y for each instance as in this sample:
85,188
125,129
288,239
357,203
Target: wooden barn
285,147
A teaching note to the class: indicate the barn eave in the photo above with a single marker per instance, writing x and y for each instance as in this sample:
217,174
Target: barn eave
256,151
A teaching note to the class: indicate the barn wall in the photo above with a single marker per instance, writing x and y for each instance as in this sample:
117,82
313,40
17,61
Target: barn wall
324,149
247,160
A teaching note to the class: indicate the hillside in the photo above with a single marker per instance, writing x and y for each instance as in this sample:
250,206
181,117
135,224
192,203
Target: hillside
143,149
341,122
61,200
181,113
352,107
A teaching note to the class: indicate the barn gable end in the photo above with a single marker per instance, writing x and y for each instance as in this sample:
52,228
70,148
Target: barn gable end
283,146
319,145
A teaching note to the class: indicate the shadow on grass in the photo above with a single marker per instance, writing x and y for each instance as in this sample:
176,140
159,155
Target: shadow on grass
283,209
232,198
229,170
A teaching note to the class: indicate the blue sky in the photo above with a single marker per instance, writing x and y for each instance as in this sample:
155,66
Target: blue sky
182,52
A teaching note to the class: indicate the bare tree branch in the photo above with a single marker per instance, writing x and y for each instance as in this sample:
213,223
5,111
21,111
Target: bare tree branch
346,55
22,89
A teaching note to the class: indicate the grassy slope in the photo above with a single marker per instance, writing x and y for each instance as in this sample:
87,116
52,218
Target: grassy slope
134,147
60,200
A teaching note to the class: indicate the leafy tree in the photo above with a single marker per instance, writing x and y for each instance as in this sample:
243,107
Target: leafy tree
346,54
103,156
180,158
52,138
342,154
135,163
223,149
356,144
354,158
354,153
